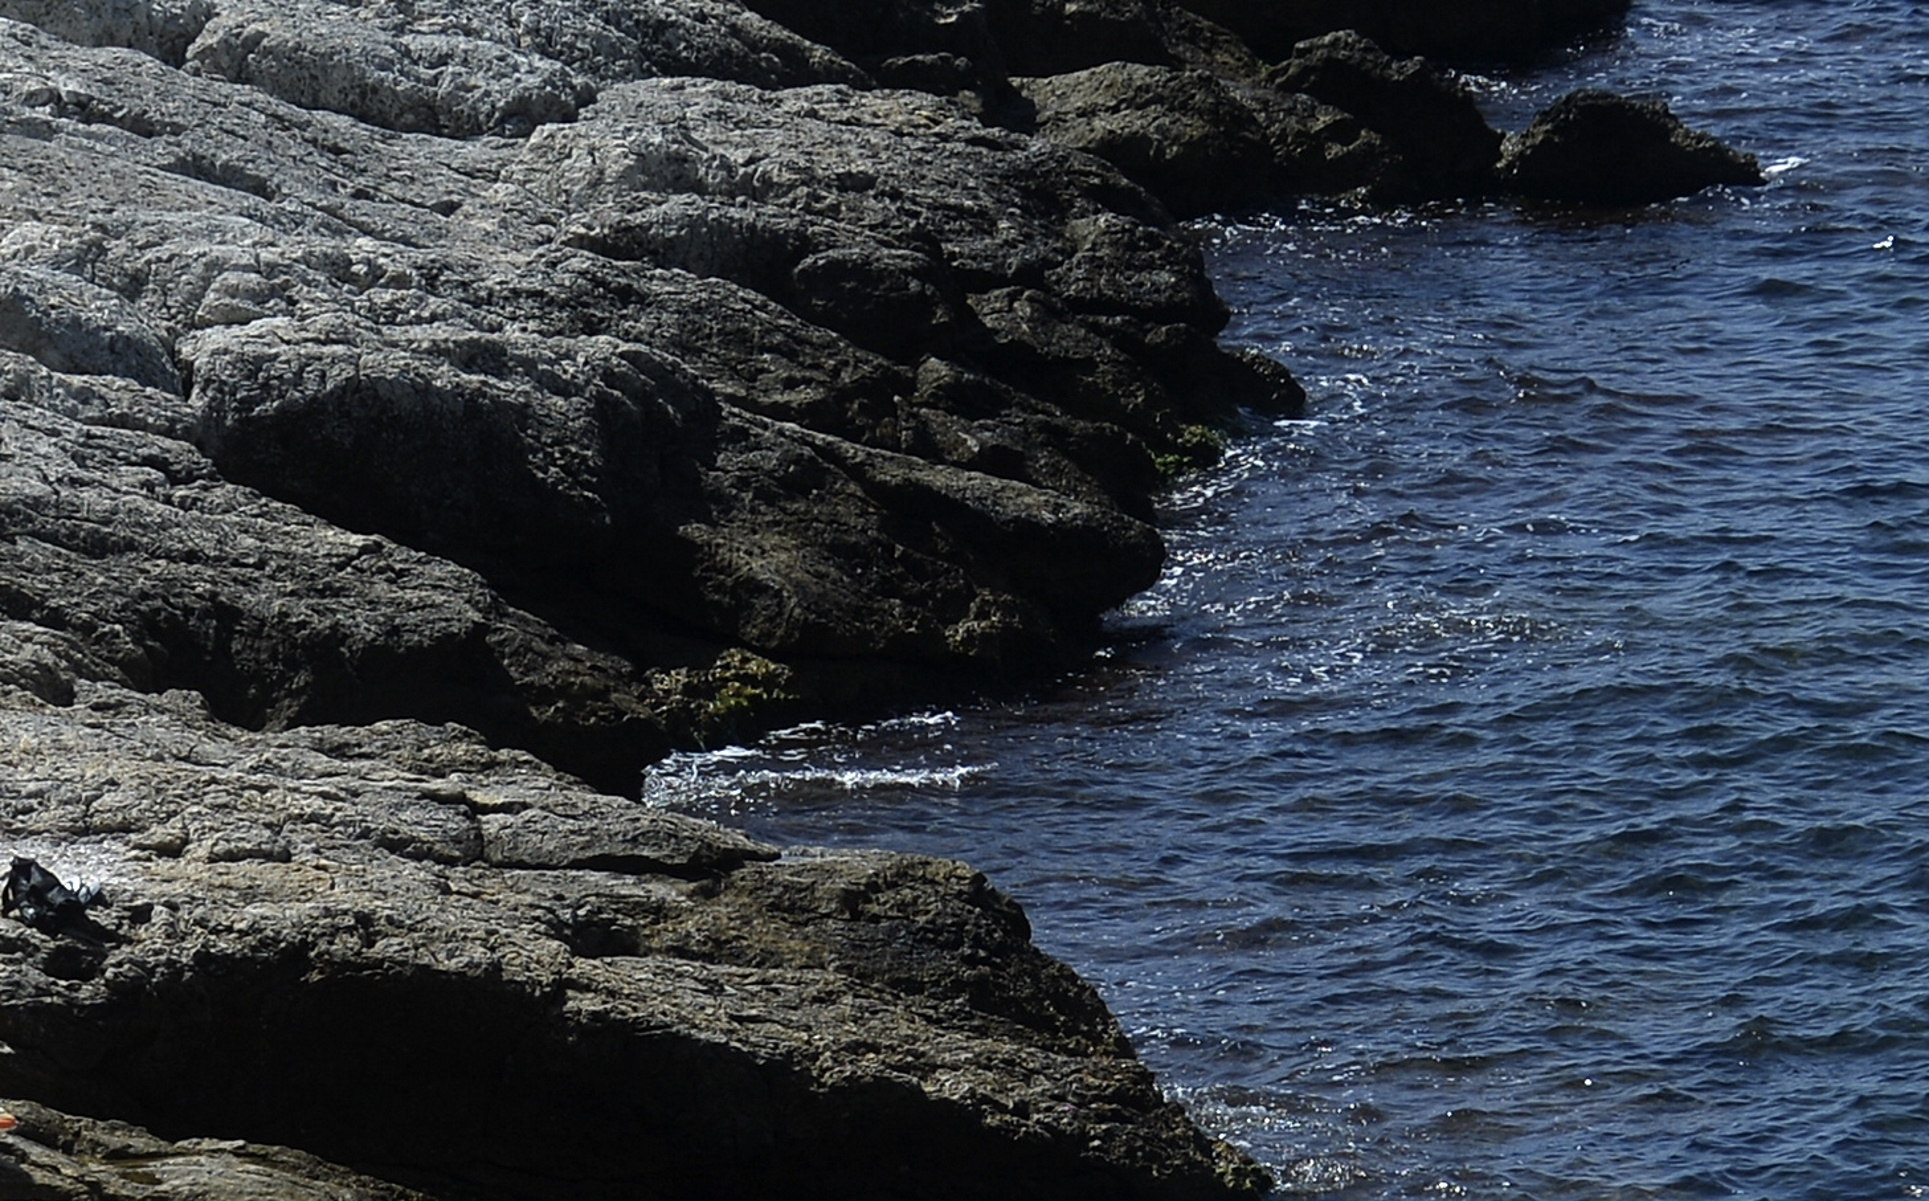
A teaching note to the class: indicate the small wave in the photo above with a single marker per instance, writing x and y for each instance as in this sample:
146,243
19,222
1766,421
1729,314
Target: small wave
1264,1120
1775,287
812,734
671,789
1884,490
1471,632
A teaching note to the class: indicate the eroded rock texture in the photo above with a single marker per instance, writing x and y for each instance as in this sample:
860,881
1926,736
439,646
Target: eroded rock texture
825,376
410,411
1431,120
453,968
1594,147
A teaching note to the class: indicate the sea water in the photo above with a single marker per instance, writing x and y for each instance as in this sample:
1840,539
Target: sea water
1518,784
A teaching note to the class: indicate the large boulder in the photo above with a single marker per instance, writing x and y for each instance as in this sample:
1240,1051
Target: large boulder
127,559
1467,31
1182,135
1428,116
1202,143
1596,148
454,969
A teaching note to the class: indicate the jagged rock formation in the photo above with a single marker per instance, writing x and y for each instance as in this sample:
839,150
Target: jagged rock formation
1594,147
1337,117
1429,118
453,968
825,376
1203,143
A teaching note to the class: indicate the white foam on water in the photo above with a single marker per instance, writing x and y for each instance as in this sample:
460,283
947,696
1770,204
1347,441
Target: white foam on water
700,788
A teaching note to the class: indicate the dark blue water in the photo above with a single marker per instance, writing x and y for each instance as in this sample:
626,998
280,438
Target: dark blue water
1518,786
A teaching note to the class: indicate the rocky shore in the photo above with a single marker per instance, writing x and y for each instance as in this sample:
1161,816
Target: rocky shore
417,418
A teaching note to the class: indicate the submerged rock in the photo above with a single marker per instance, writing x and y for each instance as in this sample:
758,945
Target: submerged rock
1594,147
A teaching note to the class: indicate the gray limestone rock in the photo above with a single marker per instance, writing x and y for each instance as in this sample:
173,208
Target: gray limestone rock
612,366
1182,135
337,59
72,327
452,968
127,559
1203,143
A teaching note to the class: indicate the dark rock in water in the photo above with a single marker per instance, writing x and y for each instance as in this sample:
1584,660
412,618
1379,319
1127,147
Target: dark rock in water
1466,31
1202,143
1320,150
1343,117
1182,135
1426,115
1596,148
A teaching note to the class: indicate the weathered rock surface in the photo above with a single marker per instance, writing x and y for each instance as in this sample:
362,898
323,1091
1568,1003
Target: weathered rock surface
1597,148
52,1156
830,376
453,968
1429,118
1202,143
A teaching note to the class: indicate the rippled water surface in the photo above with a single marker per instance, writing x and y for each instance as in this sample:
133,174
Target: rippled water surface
1518,786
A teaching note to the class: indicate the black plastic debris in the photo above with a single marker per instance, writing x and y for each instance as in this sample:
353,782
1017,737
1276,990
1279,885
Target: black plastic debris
42,901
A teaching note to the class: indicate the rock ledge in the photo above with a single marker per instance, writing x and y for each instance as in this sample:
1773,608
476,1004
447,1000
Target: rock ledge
451,968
